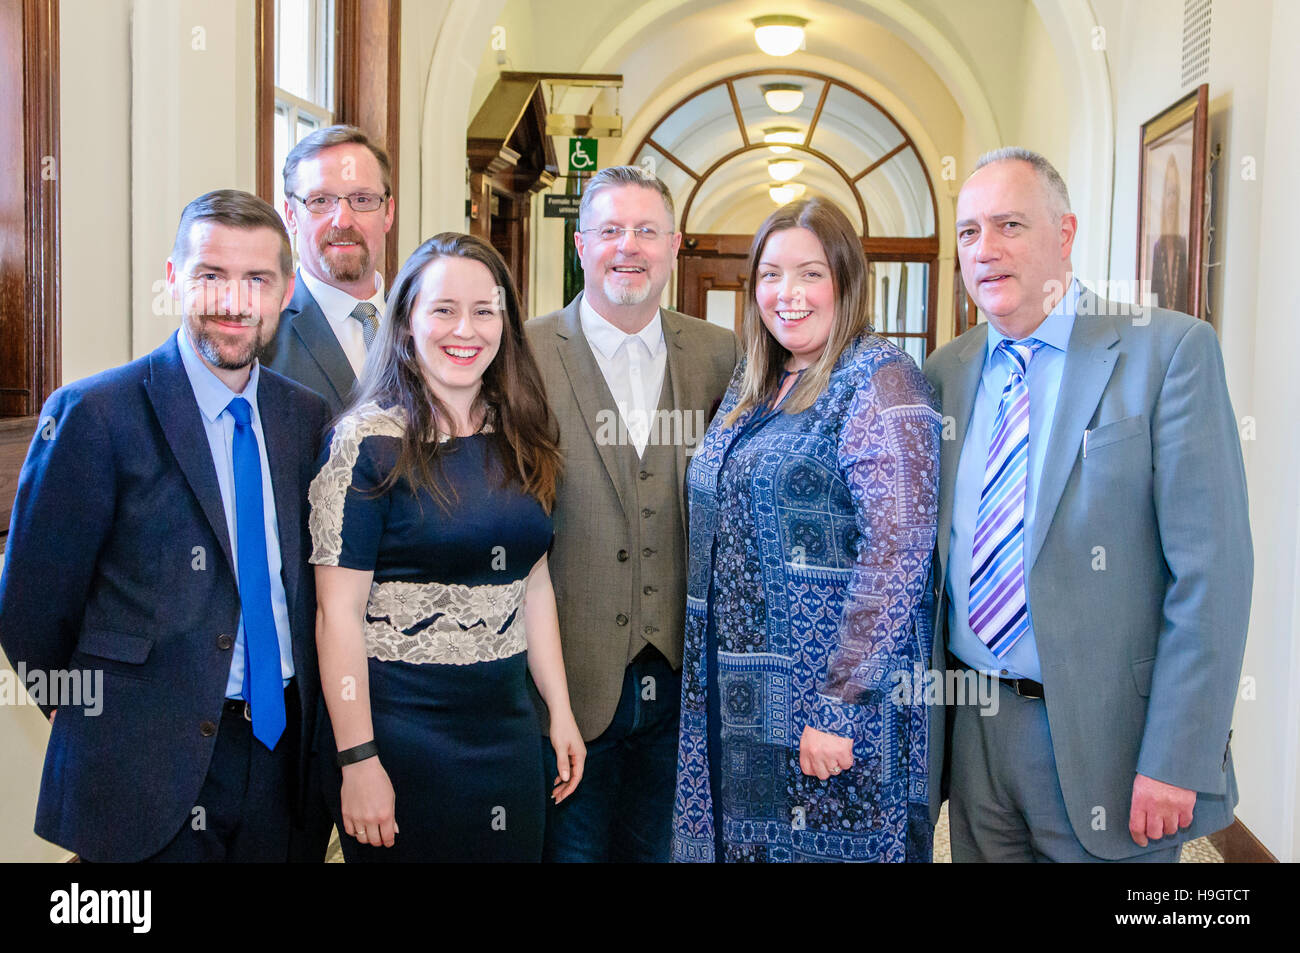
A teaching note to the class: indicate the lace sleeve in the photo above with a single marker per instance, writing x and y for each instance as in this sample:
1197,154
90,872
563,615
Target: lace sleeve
889,456
347,517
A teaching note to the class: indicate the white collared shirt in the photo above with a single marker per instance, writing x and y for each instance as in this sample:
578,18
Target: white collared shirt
633,365
337,307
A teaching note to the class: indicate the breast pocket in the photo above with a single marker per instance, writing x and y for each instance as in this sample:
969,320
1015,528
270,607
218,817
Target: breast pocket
1116,431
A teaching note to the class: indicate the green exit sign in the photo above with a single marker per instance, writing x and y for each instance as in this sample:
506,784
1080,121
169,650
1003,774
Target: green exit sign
582,154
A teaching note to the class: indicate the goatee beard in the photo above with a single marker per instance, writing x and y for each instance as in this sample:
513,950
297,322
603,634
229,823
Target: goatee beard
623,295
209,348
342,269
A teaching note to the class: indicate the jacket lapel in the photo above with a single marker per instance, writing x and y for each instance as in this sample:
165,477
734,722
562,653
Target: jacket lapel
179,417
318,338
672,326
958,400
591,392
1089,362
282,442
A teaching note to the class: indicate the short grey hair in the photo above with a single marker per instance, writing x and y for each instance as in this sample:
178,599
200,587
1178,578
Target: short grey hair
621,175
337,135
1057,194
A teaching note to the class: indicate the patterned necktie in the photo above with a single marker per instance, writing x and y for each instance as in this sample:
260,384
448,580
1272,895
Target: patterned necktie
263,682
368,315
999,615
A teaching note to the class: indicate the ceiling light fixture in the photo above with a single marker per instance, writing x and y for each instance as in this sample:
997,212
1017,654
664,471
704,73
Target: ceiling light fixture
786,136
783,170
779,35
783,97
785,193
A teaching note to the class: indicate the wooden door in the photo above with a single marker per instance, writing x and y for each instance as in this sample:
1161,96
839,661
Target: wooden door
713,278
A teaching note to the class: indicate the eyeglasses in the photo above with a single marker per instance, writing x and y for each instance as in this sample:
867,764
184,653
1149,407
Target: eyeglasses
613,233
322,203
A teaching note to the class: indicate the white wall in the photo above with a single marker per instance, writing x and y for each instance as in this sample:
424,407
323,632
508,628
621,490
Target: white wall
193,129
94,183
1253,83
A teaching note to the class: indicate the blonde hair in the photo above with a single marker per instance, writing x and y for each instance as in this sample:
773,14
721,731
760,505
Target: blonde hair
765,357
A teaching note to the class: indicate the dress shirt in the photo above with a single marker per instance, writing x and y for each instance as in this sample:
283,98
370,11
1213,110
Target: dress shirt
213,397
337,307
1043,377
633,365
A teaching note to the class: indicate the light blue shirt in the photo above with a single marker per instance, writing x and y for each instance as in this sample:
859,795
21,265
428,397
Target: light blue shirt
1043,378
213,397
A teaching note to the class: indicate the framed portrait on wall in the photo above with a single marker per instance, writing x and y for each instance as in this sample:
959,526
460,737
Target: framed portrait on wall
1172,203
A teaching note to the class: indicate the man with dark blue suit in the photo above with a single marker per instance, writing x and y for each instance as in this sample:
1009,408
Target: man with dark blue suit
157,538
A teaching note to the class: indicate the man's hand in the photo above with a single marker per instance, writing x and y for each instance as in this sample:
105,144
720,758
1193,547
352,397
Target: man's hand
1158,809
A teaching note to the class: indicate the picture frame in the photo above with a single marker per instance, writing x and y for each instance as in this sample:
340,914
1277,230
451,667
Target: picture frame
1172,204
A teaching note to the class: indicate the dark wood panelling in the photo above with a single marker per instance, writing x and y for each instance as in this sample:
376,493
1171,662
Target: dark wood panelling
15,438
264,60
368,77
1239,846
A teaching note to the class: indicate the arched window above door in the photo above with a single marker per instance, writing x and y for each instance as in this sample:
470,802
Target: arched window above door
711,151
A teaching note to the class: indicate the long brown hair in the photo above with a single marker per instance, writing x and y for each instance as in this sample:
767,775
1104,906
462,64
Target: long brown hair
765,357
525,436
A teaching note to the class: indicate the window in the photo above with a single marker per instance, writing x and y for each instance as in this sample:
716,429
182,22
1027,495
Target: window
304,77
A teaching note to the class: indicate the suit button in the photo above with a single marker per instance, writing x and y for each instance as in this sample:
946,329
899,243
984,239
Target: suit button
621,619
644,474
648,590
622,555
225,642
207,729
647,552
650,630
647,512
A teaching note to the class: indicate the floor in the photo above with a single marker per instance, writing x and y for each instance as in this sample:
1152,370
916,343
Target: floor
1199,851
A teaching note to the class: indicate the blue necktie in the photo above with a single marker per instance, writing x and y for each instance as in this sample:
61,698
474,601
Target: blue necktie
263,684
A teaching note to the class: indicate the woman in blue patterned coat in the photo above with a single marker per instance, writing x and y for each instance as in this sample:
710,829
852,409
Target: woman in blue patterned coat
812,522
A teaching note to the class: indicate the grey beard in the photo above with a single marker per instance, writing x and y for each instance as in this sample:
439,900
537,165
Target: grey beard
625,296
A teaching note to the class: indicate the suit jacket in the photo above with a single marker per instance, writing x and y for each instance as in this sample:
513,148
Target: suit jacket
119,562
1139,569
593,509
306,350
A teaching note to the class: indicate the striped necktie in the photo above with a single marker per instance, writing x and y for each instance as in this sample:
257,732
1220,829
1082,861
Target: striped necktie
368,315
999,615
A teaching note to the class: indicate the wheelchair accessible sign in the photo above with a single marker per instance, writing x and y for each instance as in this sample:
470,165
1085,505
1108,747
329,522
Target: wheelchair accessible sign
582,154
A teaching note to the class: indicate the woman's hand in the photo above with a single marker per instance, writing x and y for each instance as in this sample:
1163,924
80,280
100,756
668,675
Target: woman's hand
570,754
824,754
368,803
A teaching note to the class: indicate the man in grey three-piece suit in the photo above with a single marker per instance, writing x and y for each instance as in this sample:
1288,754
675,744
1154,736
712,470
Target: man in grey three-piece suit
632,387
1094,549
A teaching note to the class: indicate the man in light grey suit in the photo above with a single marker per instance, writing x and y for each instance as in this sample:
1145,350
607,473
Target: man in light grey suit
1094,548
633,387
339,206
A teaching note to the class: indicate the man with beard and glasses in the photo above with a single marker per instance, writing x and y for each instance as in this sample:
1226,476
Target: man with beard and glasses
338,204
157,547
632,386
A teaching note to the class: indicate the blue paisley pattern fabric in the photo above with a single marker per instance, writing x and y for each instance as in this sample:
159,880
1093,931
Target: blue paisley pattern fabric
811,537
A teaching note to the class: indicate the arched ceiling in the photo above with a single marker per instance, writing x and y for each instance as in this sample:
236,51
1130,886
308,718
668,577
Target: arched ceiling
709,151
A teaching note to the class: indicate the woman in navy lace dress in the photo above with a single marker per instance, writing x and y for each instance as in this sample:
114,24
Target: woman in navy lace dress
430,525
812,522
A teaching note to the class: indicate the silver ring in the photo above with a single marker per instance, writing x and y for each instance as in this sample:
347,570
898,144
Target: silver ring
361,832
835,770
